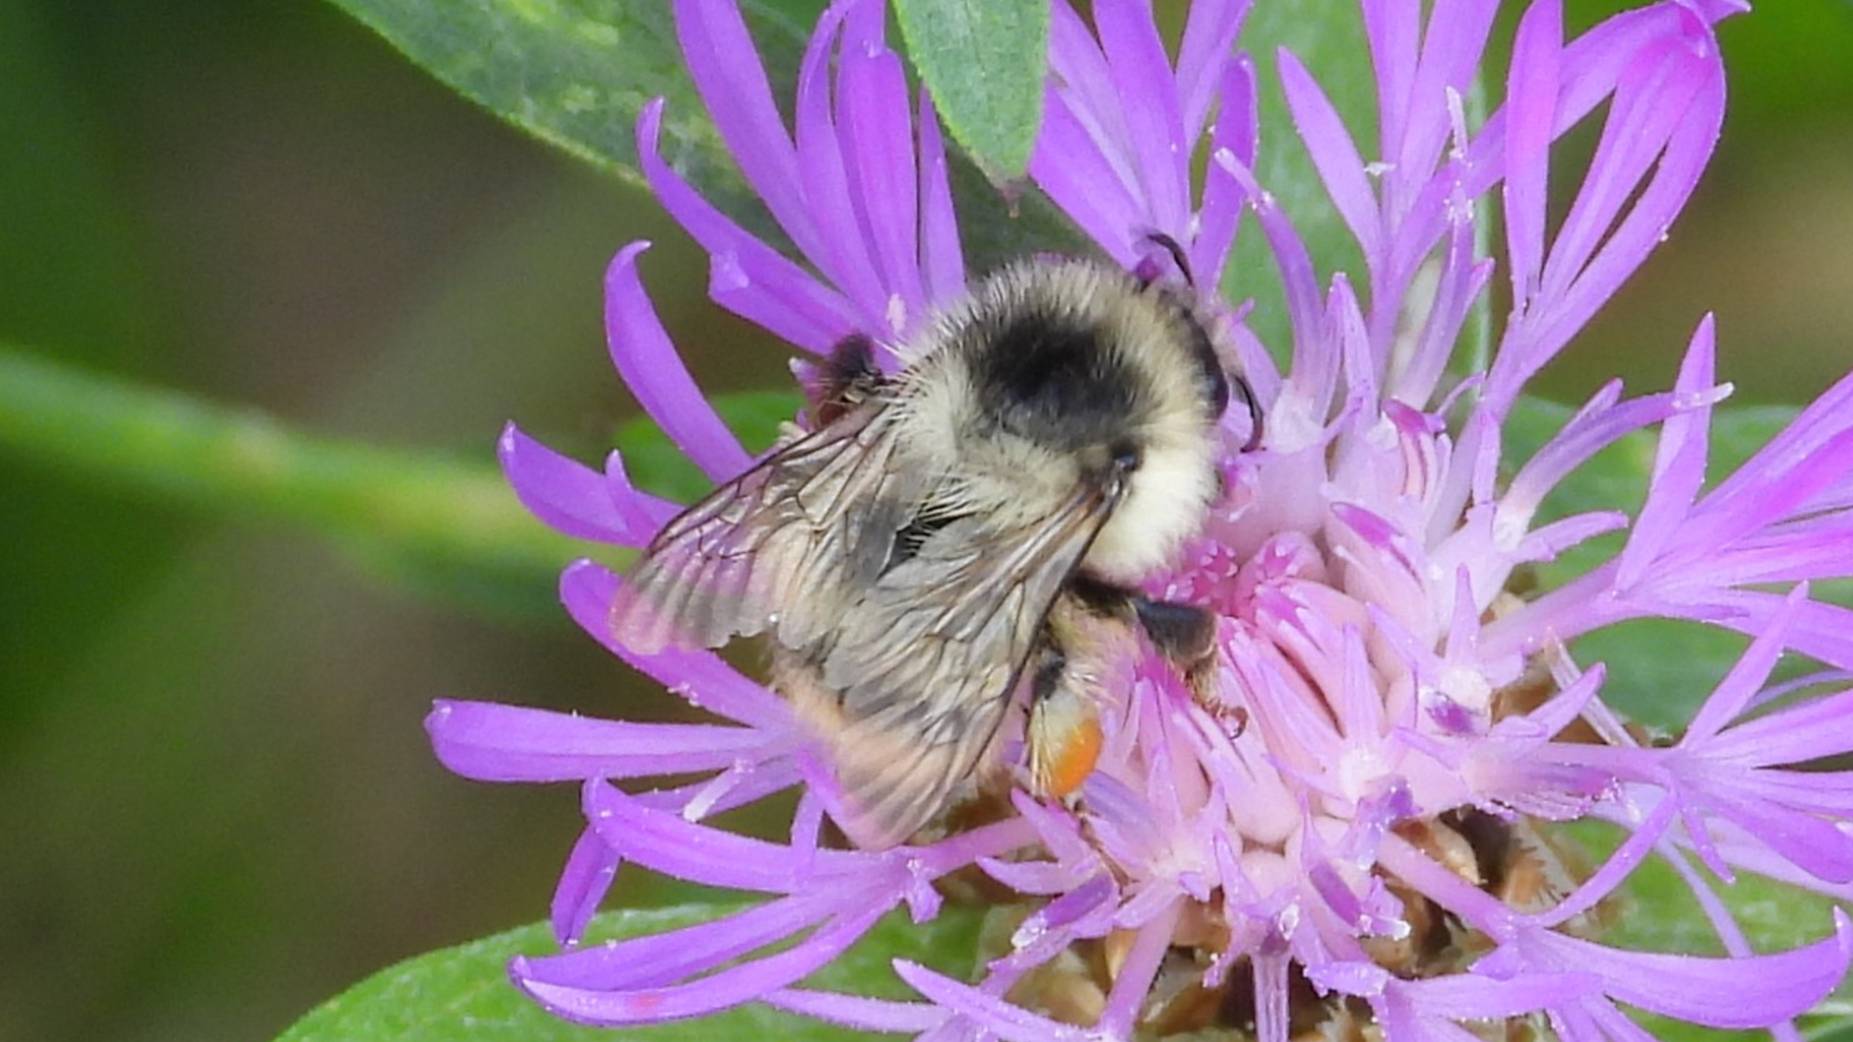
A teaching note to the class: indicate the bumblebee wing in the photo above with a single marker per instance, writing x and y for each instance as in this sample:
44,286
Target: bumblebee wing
926,661
785,543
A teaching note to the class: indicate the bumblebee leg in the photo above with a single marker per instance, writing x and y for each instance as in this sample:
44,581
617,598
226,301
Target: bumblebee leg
1064,725
1186,636
1183,633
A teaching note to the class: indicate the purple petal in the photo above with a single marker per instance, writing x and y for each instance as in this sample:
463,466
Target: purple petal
1441,885
589,870
1764,497
1257,365
1359,701
1573,446
1460,283
1346,321
1807,437
1068,167
700,677
1137,972
1334,154
942,259
490,742
1646,224
748,277
1616,868
1006,1021
1030,877
1296,271
1081,76
1531,103
1469,996
722,60
1272,1016
702,854
639,511
1710,991
1203,57
1237,127
1548,542
717,991
878,151
1746,677
739,785
1818,727
1567,705
1456,35
1824,631
1679,462
845,255
1588,71
569,496
857,1012
1650,103
1815,792
654,372
1143,78
1809,842
672,955
1393,30
1786,551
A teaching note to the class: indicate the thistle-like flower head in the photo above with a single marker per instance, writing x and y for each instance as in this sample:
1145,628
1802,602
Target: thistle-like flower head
1358,820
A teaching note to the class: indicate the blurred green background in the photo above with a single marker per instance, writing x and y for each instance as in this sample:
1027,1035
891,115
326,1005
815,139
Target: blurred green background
216,803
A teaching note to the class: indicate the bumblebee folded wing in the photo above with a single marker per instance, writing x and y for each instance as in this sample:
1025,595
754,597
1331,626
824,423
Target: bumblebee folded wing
785,543
924,666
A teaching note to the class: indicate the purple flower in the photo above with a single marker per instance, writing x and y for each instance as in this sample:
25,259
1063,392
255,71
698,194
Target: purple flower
1362,806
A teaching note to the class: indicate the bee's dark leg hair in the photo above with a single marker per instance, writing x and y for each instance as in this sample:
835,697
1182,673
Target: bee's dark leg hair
1183,633
1178,256
1051,663
1254,413
1101,597
846,377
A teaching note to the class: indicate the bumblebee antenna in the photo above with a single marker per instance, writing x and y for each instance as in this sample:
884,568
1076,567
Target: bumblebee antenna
1181,259
1254,412
1176,251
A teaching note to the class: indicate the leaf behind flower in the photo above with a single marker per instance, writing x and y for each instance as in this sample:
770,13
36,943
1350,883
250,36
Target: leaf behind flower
984,62
463,994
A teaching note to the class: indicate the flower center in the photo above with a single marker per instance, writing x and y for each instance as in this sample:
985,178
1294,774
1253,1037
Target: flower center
1251,810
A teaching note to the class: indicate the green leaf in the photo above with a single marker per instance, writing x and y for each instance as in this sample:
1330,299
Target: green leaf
462,994
984,62
1658,913
575,73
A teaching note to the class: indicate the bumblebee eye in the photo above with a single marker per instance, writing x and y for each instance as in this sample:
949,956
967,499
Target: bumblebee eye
1126,458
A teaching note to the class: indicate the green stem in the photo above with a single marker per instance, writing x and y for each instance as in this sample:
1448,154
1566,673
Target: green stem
408,504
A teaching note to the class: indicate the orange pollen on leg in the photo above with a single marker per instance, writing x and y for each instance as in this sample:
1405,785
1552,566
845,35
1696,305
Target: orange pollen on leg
1064,763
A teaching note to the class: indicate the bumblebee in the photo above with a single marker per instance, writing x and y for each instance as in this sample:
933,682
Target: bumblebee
963,533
